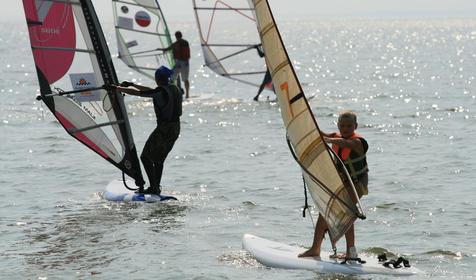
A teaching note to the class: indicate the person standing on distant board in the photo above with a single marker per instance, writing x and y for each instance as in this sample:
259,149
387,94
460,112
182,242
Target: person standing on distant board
167,99
267,77
351,149
181,52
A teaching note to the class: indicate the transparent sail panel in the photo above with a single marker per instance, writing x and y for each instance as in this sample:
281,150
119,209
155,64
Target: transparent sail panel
333,198
229,39
141,29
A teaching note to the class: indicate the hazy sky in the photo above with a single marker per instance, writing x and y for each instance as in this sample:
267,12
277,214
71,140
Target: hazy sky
181,10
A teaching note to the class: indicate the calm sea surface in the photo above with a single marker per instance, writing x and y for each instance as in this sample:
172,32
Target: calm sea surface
411,82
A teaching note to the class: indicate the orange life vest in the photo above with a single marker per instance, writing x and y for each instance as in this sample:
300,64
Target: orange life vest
356,164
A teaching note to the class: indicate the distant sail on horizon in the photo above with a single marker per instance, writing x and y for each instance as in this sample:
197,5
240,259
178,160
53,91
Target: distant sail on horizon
234,56
141,29
73,65
333,193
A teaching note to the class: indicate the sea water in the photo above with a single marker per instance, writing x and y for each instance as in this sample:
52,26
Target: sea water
411,83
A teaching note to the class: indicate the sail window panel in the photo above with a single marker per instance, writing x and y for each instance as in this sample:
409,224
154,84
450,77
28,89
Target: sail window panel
73,116
140,30
99,108
84,73
338,217
123,51
212,61
229,38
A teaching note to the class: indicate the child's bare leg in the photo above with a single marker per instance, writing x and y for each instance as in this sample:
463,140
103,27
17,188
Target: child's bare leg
350,238
319,232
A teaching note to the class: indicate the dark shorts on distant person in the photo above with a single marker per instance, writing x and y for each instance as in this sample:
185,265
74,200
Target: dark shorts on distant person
161,141
181,67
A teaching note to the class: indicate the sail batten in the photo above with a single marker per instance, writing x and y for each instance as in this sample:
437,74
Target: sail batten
332,192
61,49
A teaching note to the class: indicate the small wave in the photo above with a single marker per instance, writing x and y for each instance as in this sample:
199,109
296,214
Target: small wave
445,253
249,203
386,205
380,250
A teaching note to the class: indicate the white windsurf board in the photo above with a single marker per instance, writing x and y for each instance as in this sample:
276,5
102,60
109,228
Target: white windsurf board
279,255
116,191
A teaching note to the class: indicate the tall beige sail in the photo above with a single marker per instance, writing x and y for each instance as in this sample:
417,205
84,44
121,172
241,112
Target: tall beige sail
334,196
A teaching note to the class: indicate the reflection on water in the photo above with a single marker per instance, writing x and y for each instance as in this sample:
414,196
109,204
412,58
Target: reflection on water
85,236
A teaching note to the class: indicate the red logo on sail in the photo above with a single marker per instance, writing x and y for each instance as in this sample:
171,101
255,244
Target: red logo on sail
142,18
83,82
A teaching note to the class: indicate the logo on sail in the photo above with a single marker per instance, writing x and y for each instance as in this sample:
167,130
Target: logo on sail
142,18
82,81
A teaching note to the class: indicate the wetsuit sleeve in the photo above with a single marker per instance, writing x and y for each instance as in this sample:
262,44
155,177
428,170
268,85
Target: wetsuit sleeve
148,93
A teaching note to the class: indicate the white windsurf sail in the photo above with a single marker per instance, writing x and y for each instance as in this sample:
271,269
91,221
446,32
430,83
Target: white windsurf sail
73,64
140,30
333,193
227,30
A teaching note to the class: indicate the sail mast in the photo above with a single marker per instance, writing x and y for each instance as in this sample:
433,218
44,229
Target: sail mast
333,194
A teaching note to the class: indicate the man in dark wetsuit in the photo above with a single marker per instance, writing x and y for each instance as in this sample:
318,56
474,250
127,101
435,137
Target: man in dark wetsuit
181,52
167,100
267,77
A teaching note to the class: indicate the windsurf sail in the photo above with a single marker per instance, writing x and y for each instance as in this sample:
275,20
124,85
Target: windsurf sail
227,30
73,64
140,30
333,193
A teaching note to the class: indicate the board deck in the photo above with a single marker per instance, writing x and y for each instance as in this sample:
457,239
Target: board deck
116,191
279,255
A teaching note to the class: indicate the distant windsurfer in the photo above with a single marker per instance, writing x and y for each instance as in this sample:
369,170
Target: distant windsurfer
351,149
181,52
267,80
167,100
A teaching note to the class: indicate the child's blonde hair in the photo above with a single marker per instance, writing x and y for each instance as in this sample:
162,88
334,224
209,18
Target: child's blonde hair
348,115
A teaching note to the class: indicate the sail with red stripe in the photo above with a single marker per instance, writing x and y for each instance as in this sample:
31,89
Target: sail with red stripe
73,64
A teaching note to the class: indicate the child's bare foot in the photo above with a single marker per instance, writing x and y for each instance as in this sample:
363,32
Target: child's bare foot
310,253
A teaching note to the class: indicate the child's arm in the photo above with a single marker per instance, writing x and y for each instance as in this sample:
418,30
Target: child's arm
329,135
353,144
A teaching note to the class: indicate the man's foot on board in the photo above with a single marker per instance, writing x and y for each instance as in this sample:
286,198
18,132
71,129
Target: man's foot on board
310,253
255,98
152,190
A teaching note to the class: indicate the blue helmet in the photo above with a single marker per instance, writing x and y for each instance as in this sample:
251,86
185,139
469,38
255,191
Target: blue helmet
163,73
